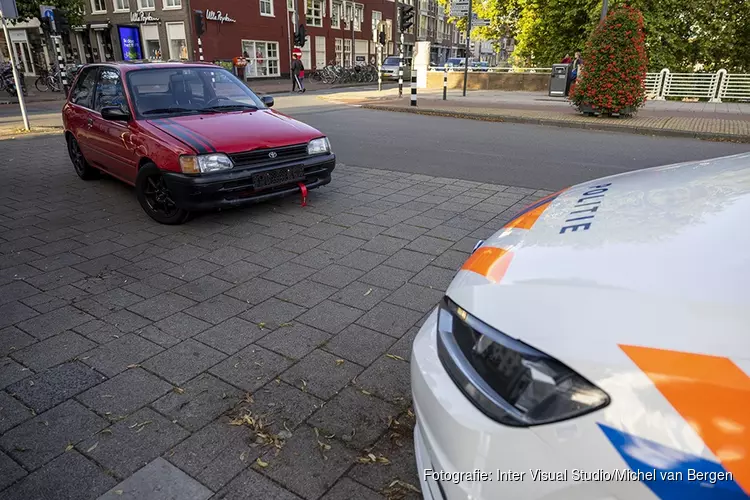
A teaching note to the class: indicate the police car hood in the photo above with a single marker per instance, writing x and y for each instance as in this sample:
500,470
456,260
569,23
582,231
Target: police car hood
661,253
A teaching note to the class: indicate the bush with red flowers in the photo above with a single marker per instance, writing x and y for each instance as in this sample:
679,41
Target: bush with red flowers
613,77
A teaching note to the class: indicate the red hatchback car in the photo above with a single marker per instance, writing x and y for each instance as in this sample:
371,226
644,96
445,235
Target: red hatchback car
189,137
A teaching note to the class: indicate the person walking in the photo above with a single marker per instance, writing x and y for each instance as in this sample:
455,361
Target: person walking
577,66
298,69
566,59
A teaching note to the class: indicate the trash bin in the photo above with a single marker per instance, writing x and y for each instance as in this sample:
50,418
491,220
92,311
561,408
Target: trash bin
559,82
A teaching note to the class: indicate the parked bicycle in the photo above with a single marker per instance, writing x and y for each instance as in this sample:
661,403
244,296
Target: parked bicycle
336,74
48,81
7,82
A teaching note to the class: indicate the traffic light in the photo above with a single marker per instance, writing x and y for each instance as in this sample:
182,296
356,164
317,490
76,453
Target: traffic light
406,17
46,24
61,21
301,36
200,22
381,38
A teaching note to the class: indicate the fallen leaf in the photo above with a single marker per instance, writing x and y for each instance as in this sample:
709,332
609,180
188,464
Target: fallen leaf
69,447
261,463
31,382
93,447
261,325
394,356
133,366
179,390
372,457
304,385
368,292
339,362
107,396
366,393
286,325
243,456
106,431
118,492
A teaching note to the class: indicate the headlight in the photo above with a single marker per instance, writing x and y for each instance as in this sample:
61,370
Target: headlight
203,164
318,146
507,380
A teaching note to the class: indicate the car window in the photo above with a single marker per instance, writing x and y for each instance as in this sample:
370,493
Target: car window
391,61
83,92
109,91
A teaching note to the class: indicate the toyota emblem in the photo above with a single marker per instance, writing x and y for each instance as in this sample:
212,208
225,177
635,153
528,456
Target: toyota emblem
272,154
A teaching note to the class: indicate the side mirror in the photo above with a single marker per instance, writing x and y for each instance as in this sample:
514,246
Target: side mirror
267,100
115,113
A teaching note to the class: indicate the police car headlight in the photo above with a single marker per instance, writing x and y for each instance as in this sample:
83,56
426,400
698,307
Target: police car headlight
508,380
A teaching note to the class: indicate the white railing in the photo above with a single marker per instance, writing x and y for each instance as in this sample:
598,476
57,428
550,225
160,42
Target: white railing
735,86
492,69
711,86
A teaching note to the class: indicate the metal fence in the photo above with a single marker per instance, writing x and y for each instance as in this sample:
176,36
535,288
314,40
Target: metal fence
711,86
491,69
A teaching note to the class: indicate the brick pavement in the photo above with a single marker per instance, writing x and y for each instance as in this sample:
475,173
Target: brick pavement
253,353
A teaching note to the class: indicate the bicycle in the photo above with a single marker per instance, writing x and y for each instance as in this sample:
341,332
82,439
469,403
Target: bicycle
48,81
7,82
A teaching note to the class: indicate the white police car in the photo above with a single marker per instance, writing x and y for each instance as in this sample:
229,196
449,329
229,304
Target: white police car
597,347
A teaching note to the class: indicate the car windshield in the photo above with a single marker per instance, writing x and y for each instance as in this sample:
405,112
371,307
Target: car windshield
189,90
390,61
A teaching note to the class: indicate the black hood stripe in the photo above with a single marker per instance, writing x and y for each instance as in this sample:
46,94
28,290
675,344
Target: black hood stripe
171,130
199,138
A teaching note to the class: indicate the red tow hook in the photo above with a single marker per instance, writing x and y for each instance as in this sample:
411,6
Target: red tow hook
303,193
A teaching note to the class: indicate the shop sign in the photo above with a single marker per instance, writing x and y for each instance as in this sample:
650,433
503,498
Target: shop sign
130,42
142,17
217,15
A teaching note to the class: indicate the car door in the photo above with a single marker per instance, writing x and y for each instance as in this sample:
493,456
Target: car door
80,112
113,139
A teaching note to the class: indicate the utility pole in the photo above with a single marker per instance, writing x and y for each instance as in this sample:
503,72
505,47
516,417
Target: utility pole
468,41
353,44
604,10
16,76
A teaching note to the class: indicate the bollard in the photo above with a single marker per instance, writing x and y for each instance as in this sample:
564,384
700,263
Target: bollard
413,90
401,67
445,83
61,64
200,49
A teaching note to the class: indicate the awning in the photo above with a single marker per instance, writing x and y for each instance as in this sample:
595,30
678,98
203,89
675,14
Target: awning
100,26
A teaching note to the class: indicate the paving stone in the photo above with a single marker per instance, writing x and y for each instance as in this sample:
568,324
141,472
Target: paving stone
161,306
218,309
434,277
360,295
192,270
115,356
464,245
403,466
362,260
387,277
359,344
10,472
321,374
157,336
403,346
126,321
386,245
198,402
270,257
13,312
57,247
307,293
226,255
98,249
288,273
251,368
231,335
430,245
182,325
184,361
329,316
39,440
124,393
451,259
345,220
390,319
216,453
96,309
118,298
294,341
273,313
256,290
363,231
58,261
416,297
404,231
46,389
354,417
54,279
183,253
281,405
409,260
257,243
53,351
10,372
346,489
317,258
318,475
203,288
154,285
13,339
54,322
250,481
69,477
282,230
336,275
12,413
159,480
102,265
322,231
133,442
342,244
388,379
239,272
16,290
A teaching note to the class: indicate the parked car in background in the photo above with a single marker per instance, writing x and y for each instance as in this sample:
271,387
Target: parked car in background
389,68
189,137
455,63
479,66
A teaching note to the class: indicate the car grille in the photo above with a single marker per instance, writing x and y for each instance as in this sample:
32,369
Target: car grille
269,156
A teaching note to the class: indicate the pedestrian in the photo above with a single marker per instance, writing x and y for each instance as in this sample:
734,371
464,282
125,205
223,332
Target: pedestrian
577,66
298,69
566,59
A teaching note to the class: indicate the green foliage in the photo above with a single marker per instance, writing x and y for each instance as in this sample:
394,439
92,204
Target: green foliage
28,9
614,64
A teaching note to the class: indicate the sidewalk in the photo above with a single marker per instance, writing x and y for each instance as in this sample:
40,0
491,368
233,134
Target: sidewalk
713,121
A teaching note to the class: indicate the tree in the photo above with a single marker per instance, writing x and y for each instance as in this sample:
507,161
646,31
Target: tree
28,9
615,64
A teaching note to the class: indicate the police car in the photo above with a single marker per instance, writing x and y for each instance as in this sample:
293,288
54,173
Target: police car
597,347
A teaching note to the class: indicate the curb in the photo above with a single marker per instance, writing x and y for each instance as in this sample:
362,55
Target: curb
604,127
51,99
35,131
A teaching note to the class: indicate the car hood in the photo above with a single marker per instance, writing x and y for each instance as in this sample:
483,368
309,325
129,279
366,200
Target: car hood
654,257
236,132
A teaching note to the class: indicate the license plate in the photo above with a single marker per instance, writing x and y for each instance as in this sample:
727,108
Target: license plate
278,176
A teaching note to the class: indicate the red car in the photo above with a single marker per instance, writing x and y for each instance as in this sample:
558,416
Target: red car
189,137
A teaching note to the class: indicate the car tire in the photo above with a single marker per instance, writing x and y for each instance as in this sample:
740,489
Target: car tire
155,199
82,167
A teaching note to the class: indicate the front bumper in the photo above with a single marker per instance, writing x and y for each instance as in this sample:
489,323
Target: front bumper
235,187
453,436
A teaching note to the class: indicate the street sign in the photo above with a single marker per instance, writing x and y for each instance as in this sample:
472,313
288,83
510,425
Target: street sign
49,12
460,8
8,8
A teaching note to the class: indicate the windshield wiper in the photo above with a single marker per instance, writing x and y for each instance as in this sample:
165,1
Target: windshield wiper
167,110
229,107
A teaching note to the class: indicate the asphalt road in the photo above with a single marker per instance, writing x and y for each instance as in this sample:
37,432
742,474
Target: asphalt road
514,154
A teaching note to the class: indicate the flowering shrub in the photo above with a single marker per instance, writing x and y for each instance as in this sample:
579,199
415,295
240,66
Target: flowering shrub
614,65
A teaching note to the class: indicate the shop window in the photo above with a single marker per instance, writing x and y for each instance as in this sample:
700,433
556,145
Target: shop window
266,8
146,5
359,16
177,41
315,13
347,53
339,51
98,6
172,4
336,15
263,60
151,42
122,5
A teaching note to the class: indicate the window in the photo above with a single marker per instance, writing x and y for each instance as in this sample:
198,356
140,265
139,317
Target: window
172,4
151,42
359,16
336,15
290,5
109,92
376,18
347,16
315,13
266,8
320,52
146,5
83,92
339,51
422,25
122,5
347,53
98,6
263,60
177,41
306,54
